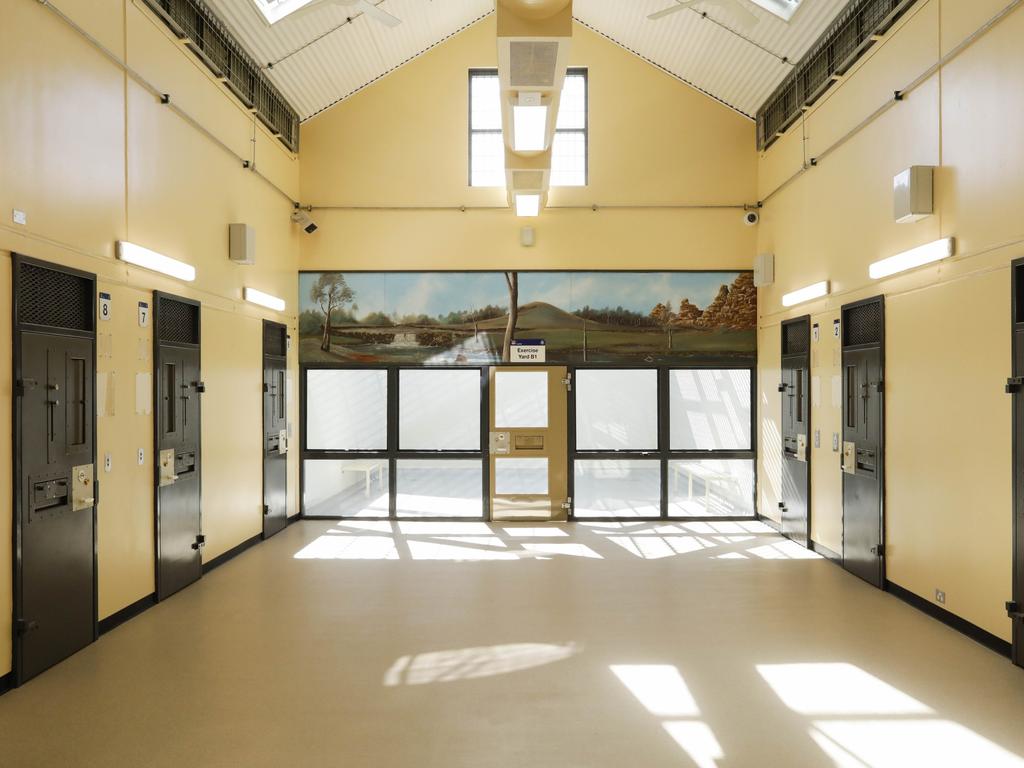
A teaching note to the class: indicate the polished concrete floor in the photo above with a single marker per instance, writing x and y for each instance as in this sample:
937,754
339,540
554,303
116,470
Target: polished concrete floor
632,645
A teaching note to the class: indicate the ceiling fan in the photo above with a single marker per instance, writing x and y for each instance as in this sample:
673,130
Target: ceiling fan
371,9
744,17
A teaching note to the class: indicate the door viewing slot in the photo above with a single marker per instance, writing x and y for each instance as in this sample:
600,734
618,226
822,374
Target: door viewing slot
55,492
178,466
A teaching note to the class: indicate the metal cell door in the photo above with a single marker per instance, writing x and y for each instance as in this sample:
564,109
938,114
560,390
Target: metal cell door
1015,386
54,461
177,388
275,428
796,424
529,443
863,440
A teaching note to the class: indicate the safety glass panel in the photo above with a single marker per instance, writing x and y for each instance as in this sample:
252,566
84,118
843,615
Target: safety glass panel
709,410
522,477
356,488
346,410
520,400
711,488
616,410
440,488
617,488
439,410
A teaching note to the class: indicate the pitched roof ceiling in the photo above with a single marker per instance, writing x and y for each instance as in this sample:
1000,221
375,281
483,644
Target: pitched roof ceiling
321,57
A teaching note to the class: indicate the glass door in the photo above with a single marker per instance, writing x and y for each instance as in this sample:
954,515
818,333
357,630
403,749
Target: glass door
528,445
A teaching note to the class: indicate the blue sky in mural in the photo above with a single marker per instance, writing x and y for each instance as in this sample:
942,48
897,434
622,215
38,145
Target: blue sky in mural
437,293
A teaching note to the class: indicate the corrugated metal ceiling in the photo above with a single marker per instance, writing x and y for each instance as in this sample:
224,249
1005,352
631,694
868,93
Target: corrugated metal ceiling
319,58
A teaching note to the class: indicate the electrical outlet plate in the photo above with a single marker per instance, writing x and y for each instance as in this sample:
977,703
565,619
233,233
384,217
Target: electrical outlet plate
107,462
940,596
142,456
19,217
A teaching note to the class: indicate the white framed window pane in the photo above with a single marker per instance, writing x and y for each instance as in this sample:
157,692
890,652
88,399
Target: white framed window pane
709,410
485,103
520,476
520,400
486,160
439,488
617,488
346,488
572,105
347,410
439,410
616,410
569,160
711,488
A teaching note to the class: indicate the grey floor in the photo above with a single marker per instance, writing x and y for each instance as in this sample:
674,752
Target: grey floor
471,644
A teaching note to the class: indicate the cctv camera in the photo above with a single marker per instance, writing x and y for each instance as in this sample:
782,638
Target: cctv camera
303,219
750,218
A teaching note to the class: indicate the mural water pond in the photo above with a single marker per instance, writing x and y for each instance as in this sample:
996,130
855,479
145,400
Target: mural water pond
453,318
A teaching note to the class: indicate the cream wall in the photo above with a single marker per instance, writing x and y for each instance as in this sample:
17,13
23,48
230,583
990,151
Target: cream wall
92,157
948,490
404,142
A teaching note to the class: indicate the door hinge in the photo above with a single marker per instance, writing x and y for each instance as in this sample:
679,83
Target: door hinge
878,551
1013,610
266,509
266,387
1013,385
782,387
200,542
200,386
568,382
567,504
23,626
879,387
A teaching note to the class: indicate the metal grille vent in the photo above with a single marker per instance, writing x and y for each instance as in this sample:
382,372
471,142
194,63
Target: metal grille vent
863,324
841,45
275,341
208,38
532,64
795,338
54,299
178,322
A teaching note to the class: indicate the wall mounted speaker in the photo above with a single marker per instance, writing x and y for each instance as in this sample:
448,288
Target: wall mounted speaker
242,244
764,269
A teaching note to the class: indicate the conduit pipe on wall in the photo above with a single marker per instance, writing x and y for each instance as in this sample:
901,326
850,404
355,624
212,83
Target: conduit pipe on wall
164,98
898,96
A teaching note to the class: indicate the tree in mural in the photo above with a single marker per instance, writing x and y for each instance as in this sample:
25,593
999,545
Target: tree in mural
330,292
512,280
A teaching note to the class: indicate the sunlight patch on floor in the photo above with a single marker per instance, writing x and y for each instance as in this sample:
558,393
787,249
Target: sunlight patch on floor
472,663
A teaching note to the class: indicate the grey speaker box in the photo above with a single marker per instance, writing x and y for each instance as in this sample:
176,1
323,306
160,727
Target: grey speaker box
242,244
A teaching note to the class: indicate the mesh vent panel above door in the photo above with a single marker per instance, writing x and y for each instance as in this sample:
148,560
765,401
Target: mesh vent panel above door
795,338
55,299
178,321
863,324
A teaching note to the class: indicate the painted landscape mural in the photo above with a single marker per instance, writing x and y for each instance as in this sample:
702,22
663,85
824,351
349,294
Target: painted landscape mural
452,318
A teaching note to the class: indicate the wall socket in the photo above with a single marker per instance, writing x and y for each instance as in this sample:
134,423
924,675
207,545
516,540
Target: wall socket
107,462
19,217
142,456
940,596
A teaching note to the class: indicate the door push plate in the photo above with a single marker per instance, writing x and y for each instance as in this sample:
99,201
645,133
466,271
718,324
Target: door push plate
500,443
82,494
849,458
167,475
801,448
282,442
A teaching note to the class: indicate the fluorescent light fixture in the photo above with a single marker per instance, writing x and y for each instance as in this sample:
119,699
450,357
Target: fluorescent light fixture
131,253
263,299
815,291
527,205
916,257
529,128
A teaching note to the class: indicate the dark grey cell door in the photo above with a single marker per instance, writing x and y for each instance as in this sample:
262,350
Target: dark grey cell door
178,470
275,428
1015,386
796,423
54,466
863,440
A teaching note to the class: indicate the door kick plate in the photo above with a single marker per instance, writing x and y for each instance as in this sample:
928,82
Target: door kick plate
849,458
82,494
167,475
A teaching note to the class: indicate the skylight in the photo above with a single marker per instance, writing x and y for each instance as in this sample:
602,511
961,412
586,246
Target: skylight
784,9
275,10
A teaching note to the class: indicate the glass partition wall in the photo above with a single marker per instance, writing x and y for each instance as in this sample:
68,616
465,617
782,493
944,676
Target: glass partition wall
393,442
644,443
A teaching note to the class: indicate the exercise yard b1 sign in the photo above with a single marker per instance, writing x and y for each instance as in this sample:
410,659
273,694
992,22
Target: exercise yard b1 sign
527,351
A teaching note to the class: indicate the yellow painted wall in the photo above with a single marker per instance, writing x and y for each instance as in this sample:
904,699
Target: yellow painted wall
404,142
92,157
948,495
